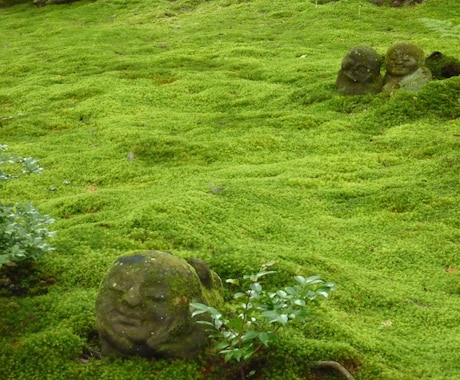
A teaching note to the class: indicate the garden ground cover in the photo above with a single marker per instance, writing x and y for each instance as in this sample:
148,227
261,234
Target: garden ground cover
212,129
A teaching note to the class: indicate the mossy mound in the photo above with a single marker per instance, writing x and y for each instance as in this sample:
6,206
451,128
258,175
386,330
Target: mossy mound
442,66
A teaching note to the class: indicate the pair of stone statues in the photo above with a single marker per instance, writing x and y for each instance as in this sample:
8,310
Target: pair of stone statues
360,70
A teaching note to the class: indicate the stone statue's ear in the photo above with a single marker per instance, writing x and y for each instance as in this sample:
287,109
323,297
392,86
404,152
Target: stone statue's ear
435,55
202,270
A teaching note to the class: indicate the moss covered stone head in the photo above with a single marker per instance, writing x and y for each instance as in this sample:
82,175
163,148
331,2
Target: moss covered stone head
404,58
405,67
360,72
143,306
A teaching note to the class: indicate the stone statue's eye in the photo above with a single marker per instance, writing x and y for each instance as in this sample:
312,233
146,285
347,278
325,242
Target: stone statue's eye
117,286
154,294
362,69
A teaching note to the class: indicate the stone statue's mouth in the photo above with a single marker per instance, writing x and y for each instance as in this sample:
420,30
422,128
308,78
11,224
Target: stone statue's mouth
130,322
127,319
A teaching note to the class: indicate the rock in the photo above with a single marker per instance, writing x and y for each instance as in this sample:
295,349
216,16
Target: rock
405,65
442,66
142,308
360,72
321,2
42,3
396,3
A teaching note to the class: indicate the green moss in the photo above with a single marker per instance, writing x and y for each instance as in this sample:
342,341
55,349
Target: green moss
213,129
437,99
48,354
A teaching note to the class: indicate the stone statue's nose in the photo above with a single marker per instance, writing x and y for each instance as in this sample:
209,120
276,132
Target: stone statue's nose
133,296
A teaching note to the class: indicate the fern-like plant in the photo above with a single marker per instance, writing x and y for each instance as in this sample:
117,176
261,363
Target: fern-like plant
445,29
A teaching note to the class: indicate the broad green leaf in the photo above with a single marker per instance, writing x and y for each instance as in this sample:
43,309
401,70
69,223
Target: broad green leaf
228,356
291,290
299,302
264,338
281,293
283,319
205,323
313,280
300,279
250,335
271,315
221,346
256,287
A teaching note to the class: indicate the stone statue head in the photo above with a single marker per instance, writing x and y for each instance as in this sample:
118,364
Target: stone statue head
405,65
143,306
360,72
403,59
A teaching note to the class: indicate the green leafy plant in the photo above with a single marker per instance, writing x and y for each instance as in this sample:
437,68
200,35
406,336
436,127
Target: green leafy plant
443,27
28,164
23,229
259,314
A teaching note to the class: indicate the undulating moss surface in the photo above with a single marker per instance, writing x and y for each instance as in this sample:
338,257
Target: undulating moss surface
213,129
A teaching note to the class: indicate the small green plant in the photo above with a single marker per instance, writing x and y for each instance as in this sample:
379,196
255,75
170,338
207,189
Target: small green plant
259,314
23,230
28,164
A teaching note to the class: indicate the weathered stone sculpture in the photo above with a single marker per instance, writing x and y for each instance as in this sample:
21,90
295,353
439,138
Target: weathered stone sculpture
442,66
405,64
360,72
143,306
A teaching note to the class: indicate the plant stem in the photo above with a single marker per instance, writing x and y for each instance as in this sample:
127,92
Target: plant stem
243,377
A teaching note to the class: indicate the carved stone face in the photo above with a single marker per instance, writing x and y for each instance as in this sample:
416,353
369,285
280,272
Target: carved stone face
143,307
361,64
360,72
403,59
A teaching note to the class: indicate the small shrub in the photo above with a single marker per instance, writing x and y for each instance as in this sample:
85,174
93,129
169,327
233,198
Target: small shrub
23,230
259,314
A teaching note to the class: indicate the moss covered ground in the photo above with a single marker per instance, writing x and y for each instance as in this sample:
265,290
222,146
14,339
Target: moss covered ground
212,129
